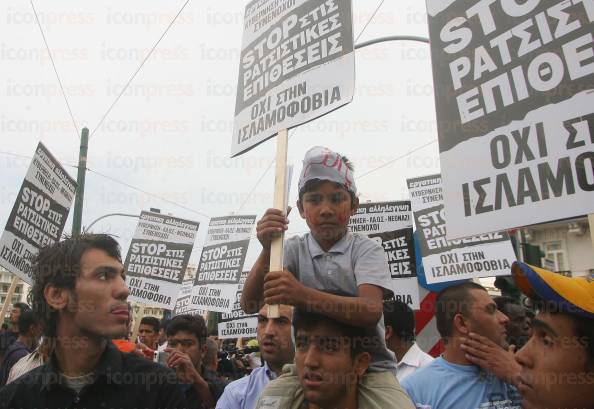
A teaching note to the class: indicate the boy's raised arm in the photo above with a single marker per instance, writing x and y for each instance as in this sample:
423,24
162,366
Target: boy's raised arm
273,223
252,297
364,310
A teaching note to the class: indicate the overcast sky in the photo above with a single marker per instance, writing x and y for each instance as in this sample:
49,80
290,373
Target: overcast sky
170,133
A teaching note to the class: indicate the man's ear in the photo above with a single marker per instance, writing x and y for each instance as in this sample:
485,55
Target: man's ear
389,332
362,363
57,298
460,324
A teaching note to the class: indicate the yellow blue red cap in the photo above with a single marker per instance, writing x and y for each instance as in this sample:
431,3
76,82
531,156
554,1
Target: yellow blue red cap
574,295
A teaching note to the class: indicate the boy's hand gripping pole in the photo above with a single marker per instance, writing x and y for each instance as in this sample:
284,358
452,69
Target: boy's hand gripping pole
280,202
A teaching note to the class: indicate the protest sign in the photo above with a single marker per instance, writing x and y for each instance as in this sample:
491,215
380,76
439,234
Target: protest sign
238,324
444,260
39,213
221,263
514,97
182,305
296,64
158,257
390,224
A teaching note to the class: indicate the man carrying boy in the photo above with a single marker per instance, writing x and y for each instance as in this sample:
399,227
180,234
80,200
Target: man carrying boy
327,259
330,361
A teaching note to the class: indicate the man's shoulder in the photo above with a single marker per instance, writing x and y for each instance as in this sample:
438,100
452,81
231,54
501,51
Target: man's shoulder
31,381
15,352
433,370
239,383
237,387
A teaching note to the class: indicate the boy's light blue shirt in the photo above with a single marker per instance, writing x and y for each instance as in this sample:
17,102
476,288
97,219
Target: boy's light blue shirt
354,260
443,385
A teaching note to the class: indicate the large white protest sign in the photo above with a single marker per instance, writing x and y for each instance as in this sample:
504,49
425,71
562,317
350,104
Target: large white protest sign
485,255
390,223
39,213
158,257
221,263
296,64
514,92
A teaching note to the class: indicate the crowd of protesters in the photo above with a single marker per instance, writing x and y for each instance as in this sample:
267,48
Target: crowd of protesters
339,341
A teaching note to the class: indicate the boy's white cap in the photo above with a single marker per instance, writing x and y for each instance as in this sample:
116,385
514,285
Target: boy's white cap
323,164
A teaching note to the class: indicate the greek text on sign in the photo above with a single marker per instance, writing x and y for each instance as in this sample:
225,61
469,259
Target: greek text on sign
221,263
237,320
514,99
390,224
158,257
39,213
296,64
449,260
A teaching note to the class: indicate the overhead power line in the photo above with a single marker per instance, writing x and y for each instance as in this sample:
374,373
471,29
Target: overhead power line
55,71
138,69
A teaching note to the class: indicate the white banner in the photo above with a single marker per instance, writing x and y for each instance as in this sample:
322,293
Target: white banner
390,223
158,257
221,263
449,260
514,92
39,213
296,64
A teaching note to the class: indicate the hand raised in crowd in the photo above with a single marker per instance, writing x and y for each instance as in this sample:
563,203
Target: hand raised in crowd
281,287
143,351
183,366
273,223
490,356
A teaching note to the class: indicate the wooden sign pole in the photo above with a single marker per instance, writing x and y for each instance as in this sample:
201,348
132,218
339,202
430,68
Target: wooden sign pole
7,301
591,222
280,192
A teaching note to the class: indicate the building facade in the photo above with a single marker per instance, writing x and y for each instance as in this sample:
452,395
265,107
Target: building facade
567,246
20,293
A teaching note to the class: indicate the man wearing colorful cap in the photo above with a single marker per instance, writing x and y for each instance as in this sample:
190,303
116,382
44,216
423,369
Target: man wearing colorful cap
557,362
327,259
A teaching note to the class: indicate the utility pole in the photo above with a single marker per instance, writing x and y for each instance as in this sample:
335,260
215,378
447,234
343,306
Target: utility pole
80,180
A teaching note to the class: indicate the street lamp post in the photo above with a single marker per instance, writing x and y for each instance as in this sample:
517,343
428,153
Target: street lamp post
392,38
86,230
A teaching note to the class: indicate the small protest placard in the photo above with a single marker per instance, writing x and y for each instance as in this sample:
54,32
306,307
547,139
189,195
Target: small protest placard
484,255
39,213
158,257
390,224
236,324
182,305
221,263
514,94
296,64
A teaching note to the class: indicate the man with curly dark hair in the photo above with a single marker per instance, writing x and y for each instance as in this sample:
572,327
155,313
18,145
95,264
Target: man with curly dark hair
79,294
